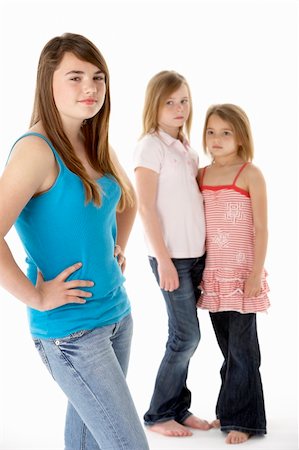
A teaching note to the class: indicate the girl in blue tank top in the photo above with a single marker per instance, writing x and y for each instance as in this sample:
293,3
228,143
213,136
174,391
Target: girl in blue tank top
73,208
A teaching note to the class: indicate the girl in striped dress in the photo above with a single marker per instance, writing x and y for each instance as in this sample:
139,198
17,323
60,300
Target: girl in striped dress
234,286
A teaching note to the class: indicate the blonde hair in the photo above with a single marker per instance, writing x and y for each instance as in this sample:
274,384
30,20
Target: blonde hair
239,121
159,88
95,129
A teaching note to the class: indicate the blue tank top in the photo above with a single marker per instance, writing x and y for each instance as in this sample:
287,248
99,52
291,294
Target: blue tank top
58,229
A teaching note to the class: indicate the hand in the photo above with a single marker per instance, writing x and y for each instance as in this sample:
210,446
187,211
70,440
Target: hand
168,275
58,292
253,286
118,253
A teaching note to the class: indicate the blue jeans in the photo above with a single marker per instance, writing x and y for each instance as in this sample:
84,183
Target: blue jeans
240,404
90,367
171,398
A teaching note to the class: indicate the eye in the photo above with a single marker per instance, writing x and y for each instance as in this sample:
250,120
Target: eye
185,100
100,77
169,102
209,132
227,133
75,79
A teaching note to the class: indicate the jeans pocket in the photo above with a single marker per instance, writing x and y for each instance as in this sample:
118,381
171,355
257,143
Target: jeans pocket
40,348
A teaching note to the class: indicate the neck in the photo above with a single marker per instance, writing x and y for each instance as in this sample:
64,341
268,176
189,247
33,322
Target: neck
73,133
173,132
227,161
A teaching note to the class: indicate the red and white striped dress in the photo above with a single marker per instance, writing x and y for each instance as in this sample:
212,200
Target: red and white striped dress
230,252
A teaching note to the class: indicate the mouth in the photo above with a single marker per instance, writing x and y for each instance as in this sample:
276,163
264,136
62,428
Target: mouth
216,146
179,117
88,101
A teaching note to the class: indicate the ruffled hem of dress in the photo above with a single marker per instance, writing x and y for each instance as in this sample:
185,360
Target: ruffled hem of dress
223,290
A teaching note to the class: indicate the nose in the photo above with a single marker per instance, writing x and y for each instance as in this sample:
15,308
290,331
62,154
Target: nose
216,137
90,86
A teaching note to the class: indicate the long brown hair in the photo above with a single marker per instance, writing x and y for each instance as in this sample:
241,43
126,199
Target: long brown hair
161,86
238,119
95,129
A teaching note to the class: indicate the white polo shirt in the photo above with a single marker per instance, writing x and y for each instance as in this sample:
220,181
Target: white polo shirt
179,200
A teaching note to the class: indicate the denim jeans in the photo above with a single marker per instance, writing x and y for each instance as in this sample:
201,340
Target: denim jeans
90,367
171,398
240,404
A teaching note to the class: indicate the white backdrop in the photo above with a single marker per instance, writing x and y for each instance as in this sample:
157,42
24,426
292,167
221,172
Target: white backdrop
242,52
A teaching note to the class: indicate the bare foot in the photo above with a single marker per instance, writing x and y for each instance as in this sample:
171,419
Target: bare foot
170,428
195,422
237,437
215,423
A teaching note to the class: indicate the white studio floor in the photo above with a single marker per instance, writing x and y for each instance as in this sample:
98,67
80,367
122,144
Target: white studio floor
282,435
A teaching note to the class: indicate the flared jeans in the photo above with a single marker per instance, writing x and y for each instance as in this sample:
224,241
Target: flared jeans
240,404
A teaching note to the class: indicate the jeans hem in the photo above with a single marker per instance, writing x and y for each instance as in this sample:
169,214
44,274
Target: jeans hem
166,419
149,423
251,431
188,414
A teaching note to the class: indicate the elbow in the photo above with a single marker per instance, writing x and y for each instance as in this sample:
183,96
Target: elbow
146,210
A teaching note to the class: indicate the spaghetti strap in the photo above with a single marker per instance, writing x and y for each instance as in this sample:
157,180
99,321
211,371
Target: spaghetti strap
239,171
202,176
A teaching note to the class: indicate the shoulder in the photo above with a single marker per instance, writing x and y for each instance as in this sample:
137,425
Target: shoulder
30,169
32,149
149,152
254,180
149,142
253,173
33,163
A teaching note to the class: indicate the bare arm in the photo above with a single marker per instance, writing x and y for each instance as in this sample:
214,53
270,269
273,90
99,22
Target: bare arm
124,219
29,171
147,184
257,191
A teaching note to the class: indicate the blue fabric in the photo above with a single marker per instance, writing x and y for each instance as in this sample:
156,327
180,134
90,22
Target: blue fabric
58,229
90,367
171,399
240,405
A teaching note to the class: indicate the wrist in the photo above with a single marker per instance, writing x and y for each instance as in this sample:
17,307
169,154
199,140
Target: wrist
256,273
163,259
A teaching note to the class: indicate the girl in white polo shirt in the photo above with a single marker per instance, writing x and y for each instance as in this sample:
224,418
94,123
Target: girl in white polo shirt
171,209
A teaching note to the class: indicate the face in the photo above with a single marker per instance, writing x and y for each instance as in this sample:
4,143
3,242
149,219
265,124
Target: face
174,111
220,138
79,89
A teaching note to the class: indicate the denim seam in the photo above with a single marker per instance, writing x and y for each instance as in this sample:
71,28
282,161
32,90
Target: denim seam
83,440
91,392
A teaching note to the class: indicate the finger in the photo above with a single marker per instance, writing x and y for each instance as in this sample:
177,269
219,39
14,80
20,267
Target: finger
120,259
78,283
78,293
117,250
173,285
67,272
75,300
123,266
161,282
167,287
